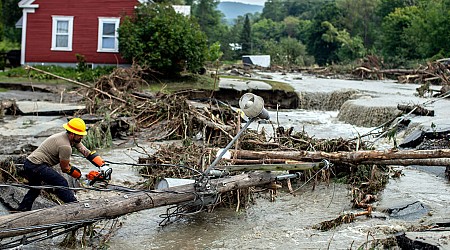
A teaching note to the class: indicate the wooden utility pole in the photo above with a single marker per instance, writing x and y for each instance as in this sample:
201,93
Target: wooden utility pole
43,219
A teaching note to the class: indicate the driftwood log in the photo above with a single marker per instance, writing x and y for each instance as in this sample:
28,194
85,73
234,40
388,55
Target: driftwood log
390,157
74,213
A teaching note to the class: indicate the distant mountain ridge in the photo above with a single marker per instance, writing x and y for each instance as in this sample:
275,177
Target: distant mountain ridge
232,10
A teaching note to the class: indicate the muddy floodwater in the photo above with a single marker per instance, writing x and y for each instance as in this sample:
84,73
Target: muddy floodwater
288,221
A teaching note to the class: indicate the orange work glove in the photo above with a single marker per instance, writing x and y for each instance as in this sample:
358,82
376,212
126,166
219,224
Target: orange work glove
95,159
74,172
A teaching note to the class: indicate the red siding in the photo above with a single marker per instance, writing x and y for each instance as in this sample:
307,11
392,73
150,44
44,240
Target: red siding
85,29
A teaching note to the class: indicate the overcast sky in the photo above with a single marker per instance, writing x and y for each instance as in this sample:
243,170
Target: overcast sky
257,2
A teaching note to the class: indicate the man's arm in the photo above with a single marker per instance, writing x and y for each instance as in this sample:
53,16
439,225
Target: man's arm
65,166
82,149
92,156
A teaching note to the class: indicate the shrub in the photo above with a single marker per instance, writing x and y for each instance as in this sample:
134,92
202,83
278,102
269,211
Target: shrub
159,38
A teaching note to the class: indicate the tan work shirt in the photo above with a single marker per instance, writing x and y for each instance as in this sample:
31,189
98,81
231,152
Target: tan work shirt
55,148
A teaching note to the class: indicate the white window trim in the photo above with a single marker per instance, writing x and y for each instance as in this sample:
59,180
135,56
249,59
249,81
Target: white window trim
101,20
70,31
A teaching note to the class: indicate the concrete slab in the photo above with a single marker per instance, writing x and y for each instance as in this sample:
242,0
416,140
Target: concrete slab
48,108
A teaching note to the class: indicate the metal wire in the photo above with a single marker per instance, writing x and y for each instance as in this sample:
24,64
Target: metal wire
90,188
25,240
187,209
327,166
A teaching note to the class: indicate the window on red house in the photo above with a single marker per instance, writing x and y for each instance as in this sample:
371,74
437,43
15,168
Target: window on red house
107,34
62,30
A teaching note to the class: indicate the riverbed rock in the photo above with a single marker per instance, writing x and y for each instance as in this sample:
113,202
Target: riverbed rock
10,197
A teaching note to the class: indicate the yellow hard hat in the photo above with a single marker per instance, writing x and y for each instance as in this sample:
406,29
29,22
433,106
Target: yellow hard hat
76,126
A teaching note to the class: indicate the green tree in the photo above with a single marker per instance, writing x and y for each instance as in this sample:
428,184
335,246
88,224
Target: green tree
360,18
395,41
386,7
2,24
267,29
430,29
210,20
158,37
293,51
324,52
287,52
246,37
11,13
303,9
304,28
291,26
274,10
350,48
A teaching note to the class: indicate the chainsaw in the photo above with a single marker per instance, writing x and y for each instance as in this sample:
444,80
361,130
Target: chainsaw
102,176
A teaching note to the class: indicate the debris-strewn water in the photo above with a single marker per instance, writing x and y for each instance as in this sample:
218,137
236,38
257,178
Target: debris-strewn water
287,222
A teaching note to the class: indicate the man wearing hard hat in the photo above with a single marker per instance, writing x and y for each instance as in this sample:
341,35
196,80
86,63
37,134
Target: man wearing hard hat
57,149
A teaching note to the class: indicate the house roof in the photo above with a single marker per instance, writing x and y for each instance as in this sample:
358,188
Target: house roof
28,4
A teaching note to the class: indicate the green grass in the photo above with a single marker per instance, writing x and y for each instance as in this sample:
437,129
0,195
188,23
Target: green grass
22,75
165,85
188,81
18,79
205,82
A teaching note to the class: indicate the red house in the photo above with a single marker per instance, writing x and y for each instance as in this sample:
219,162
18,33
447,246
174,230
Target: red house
54,31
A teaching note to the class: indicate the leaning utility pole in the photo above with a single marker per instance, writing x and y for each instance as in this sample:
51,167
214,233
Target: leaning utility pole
75,213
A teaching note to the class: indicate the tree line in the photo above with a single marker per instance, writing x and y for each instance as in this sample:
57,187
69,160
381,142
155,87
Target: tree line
324,32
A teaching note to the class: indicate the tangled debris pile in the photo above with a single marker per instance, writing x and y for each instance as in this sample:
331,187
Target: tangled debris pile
433,73
172,116
120,95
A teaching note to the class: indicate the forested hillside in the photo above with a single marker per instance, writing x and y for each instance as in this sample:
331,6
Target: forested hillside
324,32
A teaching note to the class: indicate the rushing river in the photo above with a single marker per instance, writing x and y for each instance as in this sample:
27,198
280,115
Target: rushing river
287,222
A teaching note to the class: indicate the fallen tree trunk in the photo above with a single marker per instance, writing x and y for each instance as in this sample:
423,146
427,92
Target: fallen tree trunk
247,165
355,157
79,212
